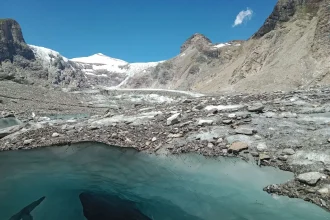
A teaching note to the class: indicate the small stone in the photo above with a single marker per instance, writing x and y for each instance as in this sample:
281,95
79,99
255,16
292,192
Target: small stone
227,122
210,145
329,140
262,147
148,143
288,151
55,134
323,191
256,108
246,131
205,122
310,178
174,119
237,147
28,142
154,139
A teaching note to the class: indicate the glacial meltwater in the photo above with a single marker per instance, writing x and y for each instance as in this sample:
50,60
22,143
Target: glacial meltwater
157,186
8,122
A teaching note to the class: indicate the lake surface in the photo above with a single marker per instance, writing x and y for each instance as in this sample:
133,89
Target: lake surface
161,187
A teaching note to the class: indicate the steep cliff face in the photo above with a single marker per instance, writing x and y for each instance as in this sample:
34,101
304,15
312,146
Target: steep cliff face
12,42
285,10
26,64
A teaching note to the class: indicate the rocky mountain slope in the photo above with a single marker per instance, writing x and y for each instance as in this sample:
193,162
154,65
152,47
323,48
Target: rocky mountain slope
291,49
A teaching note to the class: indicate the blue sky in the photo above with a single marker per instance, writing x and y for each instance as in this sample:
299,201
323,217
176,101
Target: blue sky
132,30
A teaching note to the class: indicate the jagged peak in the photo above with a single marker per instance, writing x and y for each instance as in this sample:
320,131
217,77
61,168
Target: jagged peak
284,10
198,40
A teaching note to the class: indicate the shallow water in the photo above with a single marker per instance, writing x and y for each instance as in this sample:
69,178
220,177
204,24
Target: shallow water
8,122
163,187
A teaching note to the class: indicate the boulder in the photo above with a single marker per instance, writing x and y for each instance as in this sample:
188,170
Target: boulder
288,115
283,158
288,151
256,107
174,119
210,145
232,116
28,141
264,157
205,122
237,147
310,178
55,134
323,191
227,122
246,131
175,135
262,147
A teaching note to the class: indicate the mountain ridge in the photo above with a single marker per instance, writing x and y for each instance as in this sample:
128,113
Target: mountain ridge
290,50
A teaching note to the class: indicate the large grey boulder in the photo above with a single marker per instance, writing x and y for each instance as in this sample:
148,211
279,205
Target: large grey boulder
310,178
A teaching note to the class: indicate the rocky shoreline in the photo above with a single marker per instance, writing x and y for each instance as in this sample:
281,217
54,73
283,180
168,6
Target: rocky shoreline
288,130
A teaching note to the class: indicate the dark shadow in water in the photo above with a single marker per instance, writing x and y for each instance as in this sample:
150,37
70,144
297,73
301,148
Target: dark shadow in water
98,206
25,213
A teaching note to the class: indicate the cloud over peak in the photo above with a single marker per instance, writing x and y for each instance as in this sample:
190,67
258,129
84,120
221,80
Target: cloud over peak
243,16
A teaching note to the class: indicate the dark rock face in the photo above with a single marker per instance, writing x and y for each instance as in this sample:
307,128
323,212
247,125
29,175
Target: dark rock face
12,42
198,40
284,10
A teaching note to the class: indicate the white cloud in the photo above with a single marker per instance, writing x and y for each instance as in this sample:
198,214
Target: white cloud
243,16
